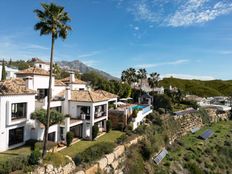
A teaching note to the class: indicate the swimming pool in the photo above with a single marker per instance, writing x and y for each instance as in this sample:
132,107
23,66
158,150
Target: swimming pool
138,107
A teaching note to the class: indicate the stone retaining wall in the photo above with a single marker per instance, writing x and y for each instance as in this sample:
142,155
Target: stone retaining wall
113,162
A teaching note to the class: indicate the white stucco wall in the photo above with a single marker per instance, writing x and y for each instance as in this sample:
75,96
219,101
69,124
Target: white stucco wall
10,72
57,89
77,86
43,66
140,116
5,118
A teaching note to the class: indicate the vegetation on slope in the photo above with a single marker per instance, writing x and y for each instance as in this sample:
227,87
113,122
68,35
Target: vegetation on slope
188,154
200,88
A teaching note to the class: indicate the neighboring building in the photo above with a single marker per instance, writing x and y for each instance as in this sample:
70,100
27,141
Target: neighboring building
73,83
146,99
17,102
123,115
41,64
10,72
85,108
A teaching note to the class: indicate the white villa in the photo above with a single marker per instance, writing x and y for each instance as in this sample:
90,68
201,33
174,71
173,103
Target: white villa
21,96
10,72
41,64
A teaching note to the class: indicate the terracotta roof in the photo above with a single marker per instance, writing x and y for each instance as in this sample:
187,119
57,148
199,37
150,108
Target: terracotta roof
106,94
87,96
59,83
61,94
14,87
33,71
77,81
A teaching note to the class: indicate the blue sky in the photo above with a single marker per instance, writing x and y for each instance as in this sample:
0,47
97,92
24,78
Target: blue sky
183,38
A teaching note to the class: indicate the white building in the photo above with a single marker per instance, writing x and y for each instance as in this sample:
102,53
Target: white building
17,102
21,96
10,72
41,64
73,83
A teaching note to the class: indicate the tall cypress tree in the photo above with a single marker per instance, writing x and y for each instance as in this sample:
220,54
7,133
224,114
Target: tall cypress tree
3,70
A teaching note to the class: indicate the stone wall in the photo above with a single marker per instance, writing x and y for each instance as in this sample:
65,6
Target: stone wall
215,115
50,169
111,163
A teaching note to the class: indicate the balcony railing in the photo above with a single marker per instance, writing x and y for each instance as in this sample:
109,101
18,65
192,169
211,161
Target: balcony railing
100,114
85,116
146,109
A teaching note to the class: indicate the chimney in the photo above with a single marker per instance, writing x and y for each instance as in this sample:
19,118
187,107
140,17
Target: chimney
29,82
66,101
68,93
72,77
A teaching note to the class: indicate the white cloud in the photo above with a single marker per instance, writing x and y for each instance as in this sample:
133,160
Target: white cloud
176,62
198,11
94,53
189,77
177,13
90,62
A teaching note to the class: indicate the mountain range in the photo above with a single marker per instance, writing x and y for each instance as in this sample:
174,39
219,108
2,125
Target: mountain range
77,65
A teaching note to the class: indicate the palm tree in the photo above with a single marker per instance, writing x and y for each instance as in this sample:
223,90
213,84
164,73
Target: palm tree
52,21
141,75
129,76
153,80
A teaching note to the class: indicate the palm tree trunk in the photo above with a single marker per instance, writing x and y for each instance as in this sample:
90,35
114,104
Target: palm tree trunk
49,100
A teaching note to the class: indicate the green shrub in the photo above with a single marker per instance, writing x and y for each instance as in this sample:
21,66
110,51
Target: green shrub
121,139
94,153
95,131
34,157
140,130
120,126
193,168
145,150
13,164
31,143
134,164
108,126
69,138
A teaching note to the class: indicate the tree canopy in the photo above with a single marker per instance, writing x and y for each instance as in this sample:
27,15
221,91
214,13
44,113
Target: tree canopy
41,115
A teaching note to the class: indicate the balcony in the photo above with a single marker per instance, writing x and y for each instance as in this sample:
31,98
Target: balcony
84,116
99,114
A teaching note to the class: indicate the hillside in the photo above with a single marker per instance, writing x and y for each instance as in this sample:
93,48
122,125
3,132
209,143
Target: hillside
83,68
200,88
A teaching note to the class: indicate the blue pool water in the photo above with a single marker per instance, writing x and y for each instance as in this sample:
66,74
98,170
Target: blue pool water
138,107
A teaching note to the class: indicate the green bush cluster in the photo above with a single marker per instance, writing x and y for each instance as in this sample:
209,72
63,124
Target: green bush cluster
34,157
69,138
95,131
122,139
94,153
14,164
108,126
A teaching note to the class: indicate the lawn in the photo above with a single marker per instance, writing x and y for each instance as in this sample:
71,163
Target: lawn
82,145
24,150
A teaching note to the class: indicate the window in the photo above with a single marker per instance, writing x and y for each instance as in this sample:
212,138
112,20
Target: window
42,93
18,111
16,136
58,108
52,136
